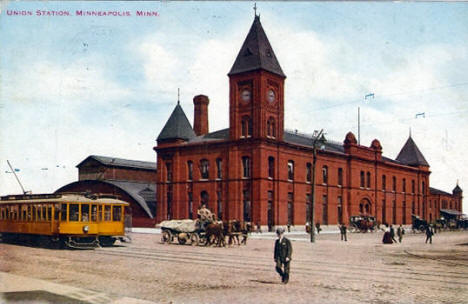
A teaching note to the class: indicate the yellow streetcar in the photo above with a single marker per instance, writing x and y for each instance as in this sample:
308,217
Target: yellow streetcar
69,219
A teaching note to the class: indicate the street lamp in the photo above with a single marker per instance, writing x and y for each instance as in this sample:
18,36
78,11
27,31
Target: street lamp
318,141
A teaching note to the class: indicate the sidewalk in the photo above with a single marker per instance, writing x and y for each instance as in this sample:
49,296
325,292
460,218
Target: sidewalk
20,289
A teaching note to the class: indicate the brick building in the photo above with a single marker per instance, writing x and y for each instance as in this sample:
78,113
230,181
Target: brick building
132,181
444,204
255,170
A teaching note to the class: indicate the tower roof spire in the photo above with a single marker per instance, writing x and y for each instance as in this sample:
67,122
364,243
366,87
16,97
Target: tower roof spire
410,155
256,53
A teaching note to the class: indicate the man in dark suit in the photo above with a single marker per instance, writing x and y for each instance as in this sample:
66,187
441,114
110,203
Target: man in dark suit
283,251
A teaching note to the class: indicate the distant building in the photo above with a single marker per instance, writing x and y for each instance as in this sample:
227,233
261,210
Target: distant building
133,181
257,171
444,204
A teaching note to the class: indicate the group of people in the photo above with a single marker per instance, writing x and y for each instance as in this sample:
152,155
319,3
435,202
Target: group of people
389,235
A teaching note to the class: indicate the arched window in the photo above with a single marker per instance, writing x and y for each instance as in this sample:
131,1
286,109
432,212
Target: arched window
271,167
204,198
325,174
308,172
290,170
246,125
204,169
189,170
246,170
271,130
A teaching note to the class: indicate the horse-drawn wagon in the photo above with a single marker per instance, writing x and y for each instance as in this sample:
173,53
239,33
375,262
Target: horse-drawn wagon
418,224
183,231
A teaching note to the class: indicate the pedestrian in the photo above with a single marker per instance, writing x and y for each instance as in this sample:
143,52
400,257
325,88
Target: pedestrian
429,234
387,237
289,227
259,228
317,225
282,256
343,232
392,233
400,233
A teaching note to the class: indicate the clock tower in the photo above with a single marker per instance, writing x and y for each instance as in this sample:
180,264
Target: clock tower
256,85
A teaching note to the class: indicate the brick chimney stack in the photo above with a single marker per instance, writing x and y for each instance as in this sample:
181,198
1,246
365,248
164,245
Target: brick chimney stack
200,120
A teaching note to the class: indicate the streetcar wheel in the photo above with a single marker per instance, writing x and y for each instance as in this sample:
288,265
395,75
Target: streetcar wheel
194,239
166,237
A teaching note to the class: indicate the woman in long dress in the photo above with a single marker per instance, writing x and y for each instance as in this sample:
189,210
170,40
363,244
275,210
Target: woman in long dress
387,237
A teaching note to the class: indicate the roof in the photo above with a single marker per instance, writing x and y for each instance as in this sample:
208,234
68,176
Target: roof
143,193
451,211
435,191
410,155
256,53
59,198
177,126
119,162
457,189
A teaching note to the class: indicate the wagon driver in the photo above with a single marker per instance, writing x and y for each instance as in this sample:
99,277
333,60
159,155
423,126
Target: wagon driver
205,216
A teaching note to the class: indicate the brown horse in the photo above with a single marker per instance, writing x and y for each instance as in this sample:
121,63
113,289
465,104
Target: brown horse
215,234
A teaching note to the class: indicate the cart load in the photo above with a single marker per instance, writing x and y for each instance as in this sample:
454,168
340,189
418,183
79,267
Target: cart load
183,230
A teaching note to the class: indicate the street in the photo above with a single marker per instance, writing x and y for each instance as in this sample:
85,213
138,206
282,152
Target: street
362,270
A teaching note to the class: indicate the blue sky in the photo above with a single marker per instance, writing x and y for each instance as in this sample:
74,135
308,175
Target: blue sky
74,86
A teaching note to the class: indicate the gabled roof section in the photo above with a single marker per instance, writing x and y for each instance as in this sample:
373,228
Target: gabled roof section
119,162
177,126
434,191
410,155
256,53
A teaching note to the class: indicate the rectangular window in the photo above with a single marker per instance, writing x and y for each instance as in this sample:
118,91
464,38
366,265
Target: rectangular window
246,167
63,210
74,212
324,210
100,210
219,205
394,212
107,213
270,210
290,170
290,208
49,212
116,213
384,182
84,213
94,213
394,183
308,204
190,205
363,182
403,209
271,167
340,209
169,172
384,212
308,172
404,185
412,186
340,176
247,206
219,168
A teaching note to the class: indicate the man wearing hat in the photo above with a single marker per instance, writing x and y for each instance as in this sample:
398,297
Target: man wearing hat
283,251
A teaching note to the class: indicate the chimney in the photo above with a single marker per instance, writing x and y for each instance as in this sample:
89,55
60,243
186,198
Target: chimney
200,120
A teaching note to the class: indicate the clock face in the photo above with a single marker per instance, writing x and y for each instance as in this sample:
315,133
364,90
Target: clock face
245,95
271,96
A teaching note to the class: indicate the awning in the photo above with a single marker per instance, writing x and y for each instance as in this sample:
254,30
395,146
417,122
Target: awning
451,211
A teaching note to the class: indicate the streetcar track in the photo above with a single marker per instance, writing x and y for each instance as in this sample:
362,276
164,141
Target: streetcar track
302,270
190,254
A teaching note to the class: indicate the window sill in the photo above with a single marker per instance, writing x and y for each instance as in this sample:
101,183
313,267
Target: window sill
203,179
218,179
340,186
270,178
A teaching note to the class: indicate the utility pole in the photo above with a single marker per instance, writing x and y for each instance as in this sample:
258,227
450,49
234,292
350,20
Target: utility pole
319,139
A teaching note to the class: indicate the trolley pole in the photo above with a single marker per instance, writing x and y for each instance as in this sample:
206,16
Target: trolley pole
319,139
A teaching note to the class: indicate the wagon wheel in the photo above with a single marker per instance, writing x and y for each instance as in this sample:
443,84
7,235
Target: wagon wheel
194,239
166,237
202,239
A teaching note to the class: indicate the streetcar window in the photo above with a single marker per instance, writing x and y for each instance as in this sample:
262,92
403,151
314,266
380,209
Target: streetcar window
99,213
85,213
63,209
33,213
29,213
1,213
56,211
107,213
49,212
93,213
43,213
116,213
24,213
74,212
